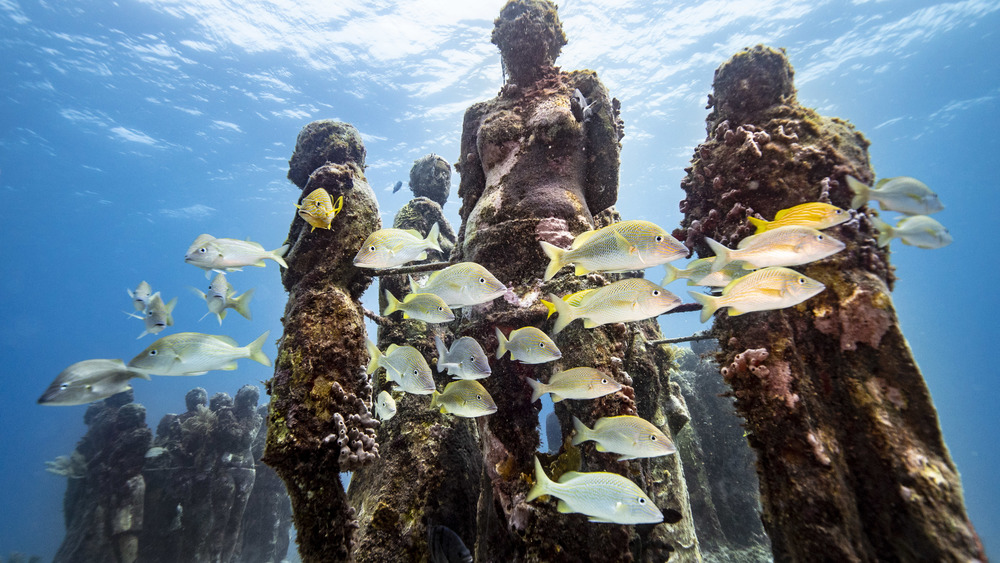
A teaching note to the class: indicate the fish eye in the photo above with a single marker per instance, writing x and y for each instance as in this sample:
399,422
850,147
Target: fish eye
838,212
152,352
653,438
479,397
656,293
604,381
642,500
64,386
415,372
482,280
659,238
472,358
819,237
372,248
541,345
203,250
802,280
440,308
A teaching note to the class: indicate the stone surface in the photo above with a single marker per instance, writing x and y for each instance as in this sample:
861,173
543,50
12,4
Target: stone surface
430,177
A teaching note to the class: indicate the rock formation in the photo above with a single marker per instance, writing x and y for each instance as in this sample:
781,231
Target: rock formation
267,518
851,460
319,423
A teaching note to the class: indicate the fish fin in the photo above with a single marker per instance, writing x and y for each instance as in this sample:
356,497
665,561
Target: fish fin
777,215
441,351
862,193
278,255
144,333
170,305
885,230
199,293
563,508
589,323
338,206
626,457
672,272
392,304
141,375
219,316
229,367
208,273
555,398
133,315
501,343
193,373
555,255
375,354
242,303
582,432
542,483
581,239
549,306
762,224
256,353
422,255
600,448
566,314
882,182
734,312
537,389
432,238
708,303
580,270
434,399
721,255
260,264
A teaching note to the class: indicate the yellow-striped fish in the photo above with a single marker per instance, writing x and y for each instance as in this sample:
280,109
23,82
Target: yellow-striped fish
194,353
230,255
628,245
465,398
630,436
461,285
222,296
763,290
318,209
784,246
405,366
425,307
527,345
387,248
575,383
632,299
902,193
603,496
385,406
699,272
814,214
920,231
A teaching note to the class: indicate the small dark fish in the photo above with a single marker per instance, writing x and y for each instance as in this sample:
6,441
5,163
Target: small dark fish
446,547
397,187
553,433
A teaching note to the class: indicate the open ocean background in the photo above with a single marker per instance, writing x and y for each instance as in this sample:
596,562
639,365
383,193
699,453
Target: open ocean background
127,128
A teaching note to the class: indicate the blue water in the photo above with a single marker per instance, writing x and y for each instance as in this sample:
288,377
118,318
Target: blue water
128,128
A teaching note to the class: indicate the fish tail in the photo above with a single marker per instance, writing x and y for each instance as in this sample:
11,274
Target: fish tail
761,224
672,272
278,255
221,316
392,303
501,343
555,255
256,352
582,432
241,304
537,389
375,354
709,304
549,306
885,230
338,206
566,314
441,350
862,193
434,398
432,237
542,483
721,255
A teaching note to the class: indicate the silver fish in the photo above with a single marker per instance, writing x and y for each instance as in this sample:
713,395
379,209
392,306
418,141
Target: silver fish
89,381
902,193
604,497
222,296
631,299
575,383
920,231
631,436
230,255
465,398
627,245
699,272
763,290
466,359
405,366
157,315
385,406
194,353
425,307
388,248
784,246
461,285
140,296
527,345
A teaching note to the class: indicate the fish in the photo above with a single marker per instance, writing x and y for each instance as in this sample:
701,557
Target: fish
699,272
465,398
466,359
140,296
88,381
920,231
154,452
632,299
784,246
385,406
425,307
397,187
553,432
318,209
445,546
195,353
575,383
157,315
230,255
902,193
405,366
815,214
763,290
602,496
527,345
461,285
388,248
573,299
222,296
623,246
631,436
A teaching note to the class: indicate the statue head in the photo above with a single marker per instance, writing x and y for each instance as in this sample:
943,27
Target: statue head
530,36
